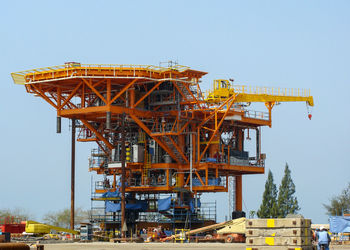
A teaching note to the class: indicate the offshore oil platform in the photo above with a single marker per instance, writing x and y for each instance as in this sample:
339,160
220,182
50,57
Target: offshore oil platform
161,141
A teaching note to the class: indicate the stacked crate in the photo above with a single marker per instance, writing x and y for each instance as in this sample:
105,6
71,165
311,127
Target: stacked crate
273,234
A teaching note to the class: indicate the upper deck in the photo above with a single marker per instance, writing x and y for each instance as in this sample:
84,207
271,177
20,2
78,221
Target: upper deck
70,71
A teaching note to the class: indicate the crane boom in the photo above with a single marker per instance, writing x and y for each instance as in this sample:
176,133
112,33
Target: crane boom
41,228
223,89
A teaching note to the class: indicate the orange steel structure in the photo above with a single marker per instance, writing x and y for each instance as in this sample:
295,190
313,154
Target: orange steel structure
178,141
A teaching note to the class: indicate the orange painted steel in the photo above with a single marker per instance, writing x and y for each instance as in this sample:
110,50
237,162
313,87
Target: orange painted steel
168,105
239,198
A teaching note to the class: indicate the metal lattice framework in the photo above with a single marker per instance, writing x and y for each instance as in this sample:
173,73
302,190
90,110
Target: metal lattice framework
167,115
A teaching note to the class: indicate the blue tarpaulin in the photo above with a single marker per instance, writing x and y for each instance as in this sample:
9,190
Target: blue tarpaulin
110,194
139,205
339,224
193,203
211,181
211,160
164,204
115,207
112,207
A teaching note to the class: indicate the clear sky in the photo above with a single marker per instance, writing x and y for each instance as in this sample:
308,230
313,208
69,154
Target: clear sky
301,44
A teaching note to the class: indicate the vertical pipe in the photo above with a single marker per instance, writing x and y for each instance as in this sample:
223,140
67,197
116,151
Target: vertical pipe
167,177
198,145
58,121
58,125
193,147
108,120
228,154
257,144
72,177
191,156
206,176
123,174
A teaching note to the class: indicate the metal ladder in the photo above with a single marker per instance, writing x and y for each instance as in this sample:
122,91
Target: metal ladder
146,167
142,137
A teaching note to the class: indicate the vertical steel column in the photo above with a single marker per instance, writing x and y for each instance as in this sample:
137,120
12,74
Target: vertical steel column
191,156
58,125
123,173
238,192
258,144
72,190
114,217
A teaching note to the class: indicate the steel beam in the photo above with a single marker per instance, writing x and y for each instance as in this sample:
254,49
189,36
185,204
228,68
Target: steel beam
72,189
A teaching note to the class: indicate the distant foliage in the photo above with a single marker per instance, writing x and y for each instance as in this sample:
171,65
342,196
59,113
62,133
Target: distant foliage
268,207
19,214
61,218
339,204
287,203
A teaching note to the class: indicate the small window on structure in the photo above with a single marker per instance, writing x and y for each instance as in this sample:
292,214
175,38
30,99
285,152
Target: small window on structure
223,84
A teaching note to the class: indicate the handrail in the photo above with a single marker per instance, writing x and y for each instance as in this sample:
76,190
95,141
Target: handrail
254,90
275,91
18,77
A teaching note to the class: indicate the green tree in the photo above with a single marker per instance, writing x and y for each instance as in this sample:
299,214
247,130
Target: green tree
287,203
339,204
268,207
252,214
61,218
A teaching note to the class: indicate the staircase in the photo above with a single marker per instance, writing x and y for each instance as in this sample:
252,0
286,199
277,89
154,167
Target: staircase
171,146
185,91
167,214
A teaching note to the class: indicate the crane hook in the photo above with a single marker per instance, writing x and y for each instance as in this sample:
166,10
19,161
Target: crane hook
309,115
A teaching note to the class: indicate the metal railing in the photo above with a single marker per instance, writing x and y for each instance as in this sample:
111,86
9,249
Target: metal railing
207,211
97,158
295,92
255,90
256,114
20,76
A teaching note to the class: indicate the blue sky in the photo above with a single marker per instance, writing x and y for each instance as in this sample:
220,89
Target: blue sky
302,44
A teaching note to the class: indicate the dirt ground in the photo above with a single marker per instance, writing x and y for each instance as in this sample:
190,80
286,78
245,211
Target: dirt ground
142,246
147,246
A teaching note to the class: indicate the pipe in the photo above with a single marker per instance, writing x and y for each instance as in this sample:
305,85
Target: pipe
58,125
19,246
123,174
72,190
108,120
191,156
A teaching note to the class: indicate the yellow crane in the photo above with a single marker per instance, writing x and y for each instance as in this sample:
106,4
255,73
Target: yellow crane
224,89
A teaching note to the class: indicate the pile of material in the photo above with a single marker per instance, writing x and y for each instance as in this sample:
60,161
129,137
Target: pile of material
288,233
